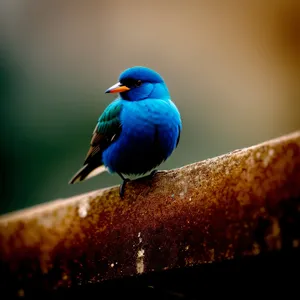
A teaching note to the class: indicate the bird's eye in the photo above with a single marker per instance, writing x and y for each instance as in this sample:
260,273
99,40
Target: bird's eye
138,83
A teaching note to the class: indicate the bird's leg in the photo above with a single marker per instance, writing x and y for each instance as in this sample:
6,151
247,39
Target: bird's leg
122,186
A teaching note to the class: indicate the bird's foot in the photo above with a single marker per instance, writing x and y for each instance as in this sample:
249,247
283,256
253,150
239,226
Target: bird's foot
153,173
150,177
122,187
125,180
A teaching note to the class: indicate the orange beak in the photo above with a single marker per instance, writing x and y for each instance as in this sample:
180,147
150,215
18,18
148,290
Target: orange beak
117,88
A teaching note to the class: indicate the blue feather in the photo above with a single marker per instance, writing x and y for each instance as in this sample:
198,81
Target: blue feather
150,130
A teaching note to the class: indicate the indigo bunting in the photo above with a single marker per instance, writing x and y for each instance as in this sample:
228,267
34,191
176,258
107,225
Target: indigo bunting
137,132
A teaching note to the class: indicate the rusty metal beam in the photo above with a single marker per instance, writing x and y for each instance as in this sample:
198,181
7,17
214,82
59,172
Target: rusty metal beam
239,204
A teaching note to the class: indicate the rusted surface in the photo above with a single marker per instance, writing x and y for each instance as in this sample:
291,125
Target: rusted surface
242,203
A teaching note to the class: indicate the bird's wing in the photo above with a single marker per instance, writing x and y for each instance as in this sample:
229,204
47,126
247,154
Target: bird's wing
107,130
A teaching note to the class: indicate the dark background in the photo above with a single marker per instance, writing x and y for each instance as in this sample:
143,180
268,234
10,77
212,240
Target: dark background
232,68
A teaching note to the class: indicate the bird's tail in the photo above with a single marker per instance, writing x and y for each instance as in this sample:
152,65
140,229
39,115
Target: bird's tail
86,172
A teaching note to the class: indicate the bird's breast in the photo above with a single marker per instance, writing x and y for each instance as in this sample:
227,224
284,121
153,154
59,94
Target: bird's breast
149,134
145,116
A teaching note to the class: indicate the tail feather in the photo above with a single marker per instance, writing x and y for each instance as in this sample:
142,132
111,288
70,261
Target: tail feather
86,172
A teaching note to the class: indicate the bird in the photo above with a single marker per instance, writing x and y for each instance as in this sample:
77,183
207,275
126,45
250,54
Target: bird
136,132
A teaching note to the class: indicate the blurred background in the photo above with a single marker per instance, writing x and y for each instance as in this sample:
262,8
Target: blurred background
232,67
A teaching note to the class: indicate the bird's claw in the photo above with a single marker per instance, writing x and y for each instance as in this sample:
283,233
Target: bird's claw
122,187
153,173
150,177
125,180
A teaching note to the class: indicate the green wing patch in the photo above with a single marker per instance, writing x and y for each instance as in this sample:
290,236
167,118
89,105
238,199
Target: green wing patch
107,130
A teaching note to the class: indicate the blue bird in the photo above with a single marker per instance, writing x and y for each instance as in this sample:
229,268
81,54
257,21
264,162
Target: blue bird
137,132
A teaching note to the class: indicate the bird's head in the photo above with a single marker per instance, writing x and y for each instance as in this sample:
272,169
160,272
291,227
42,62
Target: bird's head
139,83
